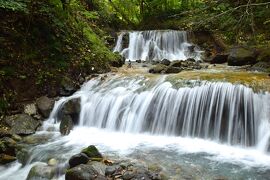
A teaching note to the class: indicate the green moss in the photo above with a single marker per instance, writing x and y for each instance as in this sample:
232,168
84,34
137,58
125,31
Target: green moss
92,152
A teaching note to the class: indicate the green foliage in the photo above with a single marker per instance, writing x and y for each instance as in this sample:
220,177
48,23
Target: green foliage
14,5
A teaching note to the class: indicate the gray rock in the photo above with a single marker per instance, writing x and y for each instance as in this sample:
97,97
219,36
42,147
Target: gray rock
22,124
99,167
78,159
68,87
165,62
44,106
240,56
66,125
110,170
42,171
30,109
159,68
8,146
71,108
83,172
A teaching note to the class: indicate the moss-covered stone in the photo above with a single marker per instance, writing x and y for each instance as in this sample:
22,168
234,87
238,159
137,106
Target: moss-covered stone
240,56
92,152
159,68
264,55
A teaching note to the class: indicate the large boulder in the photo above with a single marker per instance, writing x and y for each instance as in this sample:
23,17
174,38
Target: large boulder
22,124
78,159
261,66
44,106
83,172
240,56
220,59
159,68
98,166
264,55
176,63
92,152
42,171
66,125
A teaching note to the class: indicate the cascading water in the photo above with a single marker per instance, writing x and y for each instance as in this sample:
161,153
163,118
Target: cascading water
223,112
209,127
156,45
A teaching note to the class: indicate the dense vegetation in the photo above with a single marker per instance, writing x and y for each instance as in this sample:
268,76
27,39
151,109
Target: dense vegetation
43,41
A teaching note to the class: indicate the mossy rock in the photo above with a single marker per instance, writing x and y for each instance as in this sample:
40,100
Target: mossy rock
240,56
159,68
4,158
93,153
264,55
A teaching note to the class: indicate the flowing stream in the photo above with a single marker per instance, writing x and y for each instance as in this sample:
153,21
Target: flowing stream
197,130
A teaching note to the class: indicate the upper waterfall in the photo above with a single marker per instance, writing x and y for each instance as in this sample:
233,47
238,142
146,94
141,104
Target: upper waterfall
156,45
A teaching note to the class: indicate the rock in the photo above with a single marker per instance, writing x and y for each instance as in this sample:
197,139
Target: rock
68,87
139,61
44,106
176,63
99,167
159,68
110,170
52,162
118,61
66,125
30,109
83,172
78,159
165,62
220,59
190,60
4,158
41,171
261,66
240,56
22,124
71,108
8,146
172,69
264,55
16,137
92,152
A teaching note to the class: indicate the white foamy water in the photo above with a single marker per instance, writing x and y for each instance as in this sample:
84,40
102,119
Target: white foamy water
156,45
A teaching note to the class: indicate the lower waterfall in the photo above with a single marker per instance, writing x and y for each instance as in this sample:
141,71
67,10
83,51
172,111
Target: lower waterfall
223,112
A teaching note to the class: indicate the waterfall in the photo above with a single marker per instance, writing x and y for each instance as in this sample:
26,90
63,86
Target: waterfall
156,45
223,112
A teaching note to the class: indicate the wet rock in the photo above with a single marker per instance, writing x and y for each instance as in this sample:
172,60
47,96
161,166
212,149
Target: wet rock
110,170
190,60
172,69
5,158
23,156
240,56
8,146
261,66
83,172
44,106
93,153
16,137
264,55
159,68
52,162
71,108
176,63
139,61
98,166
220,59
78,159
165,62
41,171
68,87
22,124
30,109
66,125
117,62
